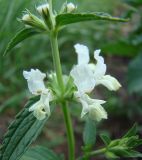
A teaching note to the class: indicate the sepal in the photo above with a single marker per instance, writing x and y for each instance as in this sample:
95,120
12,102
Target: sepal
44,12
30,20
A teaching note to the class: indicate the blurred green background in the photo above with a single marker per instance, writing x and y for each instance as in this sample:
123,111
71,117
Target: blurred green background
121,44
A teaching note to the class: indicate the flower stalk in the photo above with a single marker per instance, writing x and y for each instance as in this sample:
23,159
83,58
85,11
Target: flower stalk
93,153
57,65
67,119
56,59
69,129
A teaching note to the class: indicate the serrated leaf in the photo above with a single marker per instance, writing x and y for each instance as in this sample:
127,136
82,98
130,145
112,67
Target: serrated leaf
68,18
105,139
21,133
40,153
19,37
131,132
89,134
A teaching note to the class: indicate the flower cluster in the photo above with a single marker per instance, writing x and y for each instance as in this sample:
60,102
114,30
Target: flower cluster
88,75
44,23
36,87
85,77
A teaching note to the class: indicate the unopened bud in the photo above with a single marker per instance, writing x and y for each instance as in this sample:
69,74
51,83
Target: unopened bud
31,20
26,17
43,8
70,7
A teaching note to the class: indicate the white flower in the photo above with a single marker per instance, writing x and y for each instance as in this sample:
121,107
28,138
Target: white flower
26,17
86,76
92,107
99,73
82,53
91,74
83,78
35,81
35,78
41,108
43,7
70,7
81,73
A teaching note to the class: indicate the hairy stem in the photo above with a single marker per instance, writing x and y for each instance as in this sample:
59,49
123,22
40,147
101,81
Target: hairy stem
67,118
69,129
56,59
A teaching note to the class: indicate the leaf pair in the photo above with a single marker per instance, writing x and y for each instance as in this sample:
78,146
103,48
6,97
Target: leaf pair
61,20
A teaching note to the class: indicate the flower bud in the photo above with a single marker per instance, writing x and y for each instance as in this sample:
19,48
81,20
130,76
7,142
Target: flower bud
26,17
31,20
43,8
44,12
70,7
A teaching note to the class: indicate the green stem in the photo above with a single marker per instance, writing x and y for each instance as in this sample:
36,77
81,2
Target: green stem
97,152
56,59
57,65
69,129
94,153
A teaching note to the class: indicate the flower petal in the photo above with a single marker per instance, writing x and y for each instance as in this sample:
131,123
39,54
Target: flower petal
97,56
91,101
82,100
110,82
100,68
82,53
34,74
85,108
35,81
46,98
83,78
37,110
39,114
43,7
91,106
35,106
97,112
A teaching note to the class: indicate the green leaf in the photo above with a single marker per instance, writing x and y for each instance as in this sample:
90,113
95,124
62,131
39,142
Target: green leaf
120,48
131,132
135,75
89,134
133,153
19,37
134,2
68,18
126,153
21,133
40,153
105,139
